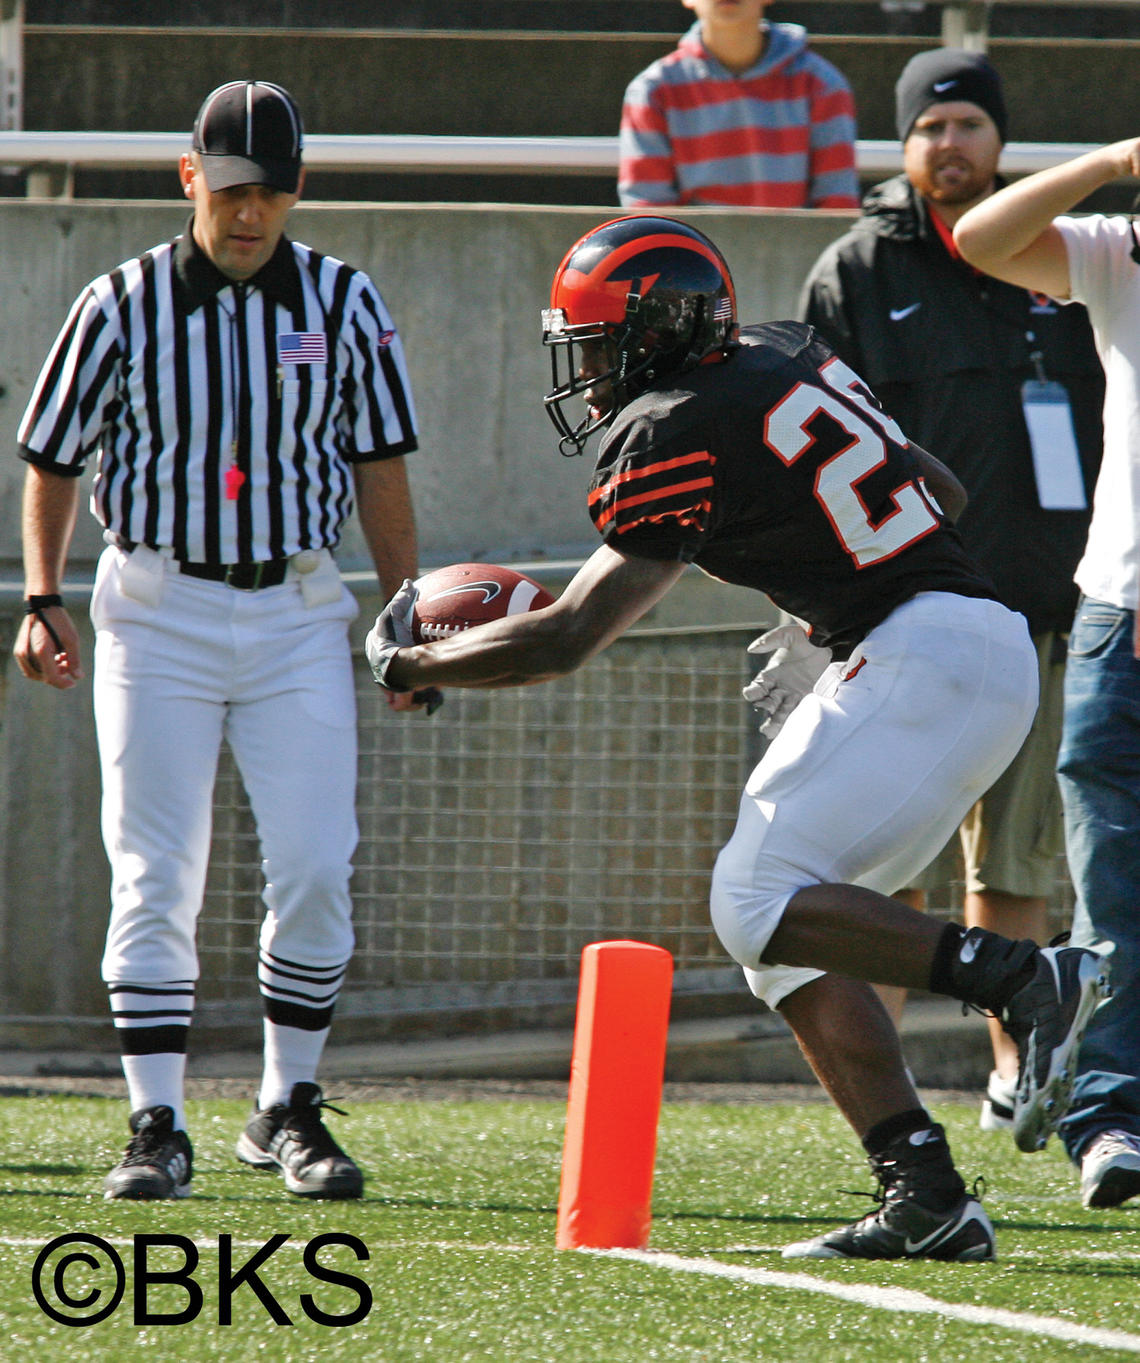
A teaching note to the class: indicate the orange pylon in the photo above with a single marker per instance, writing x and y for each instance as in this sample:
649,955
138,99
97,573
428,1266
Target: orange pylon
616,1075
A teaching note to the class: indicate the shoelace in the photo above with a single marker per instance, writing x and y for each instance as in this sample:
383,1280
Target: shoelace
144,1146
308,1124
1115,1143
887,1184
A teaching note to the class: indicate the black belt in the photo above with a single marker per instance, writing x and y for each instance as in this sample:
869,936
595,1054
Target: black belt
245,577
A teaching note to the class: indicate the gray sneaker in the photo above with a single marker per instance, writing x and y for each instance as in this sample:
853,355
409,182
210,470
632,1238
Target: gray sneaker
158,1161
1110,1169
1047,1018
292,1137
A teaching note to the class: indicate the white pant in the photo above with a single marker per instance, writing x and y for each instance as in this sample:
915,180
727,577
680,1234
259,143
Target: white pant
874,771
273,677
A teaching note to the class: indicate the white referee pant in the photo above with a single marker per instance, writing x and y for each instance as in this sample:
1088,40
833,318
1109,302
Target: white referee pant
274,678
873,771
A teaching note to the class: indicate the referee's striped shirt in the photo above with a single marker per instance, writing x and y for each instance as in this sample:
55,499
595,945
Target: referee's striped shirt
226,416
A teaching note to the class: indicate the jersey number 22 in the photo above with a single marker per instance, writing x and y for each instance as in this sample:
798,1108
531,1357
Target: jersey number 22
837,480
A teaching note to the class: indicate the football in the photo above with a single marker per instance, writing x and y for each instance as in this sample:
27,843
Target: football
465,594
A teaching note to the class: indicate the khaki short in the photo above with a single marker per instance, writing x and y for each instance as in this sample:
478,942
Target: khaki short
1012,837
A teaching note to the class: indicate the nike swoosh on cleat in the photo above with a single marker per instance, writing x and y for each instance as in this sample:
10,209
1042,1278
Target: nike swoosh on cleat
936,1236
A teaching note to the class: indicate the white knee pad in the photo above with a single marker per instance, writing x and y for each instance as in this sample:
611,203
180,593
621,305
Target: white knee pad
746,901
747,905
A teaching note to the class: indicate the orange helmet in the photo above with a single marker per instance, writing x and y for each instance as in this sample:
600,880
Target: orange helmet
657,290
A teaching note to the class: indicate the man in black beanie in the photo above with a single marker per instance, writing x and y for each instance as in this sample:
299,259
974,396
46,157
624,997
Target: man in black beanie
947,75
954,357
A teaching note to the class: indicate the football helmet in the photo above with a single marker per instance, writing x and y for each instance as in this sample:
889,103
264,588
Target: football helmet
655,293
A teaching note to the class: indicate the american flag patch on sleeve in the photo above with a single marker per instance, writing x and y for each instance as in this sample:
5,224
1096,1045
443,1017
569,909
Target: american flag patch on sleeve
302,347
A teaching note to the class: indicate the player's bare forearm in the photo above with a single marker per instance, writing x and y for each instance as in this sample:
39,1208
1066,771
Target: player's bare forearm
518,650
387,520
606,596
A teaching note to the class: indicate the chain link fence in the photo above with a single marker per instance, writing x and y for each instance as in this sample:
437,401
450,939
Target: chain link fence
511,829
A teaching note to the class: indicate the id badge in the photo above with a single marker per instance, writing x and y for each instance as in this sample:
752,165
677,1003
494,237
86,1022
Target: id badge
1056,459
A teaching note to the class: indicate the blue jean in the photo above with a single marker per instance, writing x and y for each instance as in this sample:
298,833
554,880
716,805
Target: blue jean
1099,772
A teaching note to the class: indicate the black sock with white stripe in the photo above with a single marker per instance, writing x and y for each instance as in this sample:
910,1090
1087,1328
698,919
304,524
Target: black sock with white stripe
909,1153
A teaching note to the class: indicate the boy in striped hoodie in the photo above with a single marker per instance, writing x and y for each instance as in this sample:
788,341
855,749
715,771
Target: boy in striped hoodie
741,114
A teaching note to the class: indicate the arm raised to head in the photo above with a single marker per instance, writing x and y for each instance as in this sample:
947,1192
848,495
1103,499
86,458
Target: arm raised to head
1011,234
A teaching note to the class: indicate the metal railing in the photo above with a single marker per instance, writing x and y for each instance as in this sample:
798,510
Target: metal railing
47,152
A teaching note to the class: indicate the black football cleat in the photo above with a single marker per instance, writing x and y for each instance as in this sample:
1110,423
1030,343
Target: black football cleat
1047,1018
924,1210
292,1137
905,1229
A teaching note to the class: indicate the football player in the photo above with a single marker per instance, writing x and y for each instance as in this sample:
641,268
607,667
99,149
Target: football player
762,458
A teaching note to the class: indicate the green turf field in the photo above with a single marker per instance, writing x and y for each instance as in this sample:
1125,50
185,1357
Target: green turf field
458,1228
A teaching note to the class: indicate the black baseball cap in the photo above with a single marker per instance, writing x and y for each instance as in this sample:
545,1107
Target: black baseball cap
248,132
943,76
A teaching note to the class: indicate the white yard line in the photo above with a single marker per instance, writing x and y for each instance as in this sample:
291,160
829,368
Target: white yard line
887,1299
1108,1256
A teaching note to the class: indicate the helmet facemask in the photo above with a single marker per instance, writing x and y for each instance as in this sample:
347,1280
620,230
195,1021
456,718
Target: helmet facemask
634,361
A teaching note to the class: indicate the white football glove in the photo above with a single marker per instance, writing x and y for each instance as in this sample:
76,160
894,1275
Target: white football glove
391,632
790,673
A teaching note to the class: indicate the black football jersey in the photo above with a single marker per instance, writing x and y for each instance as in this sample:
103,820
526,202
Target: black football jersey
778,470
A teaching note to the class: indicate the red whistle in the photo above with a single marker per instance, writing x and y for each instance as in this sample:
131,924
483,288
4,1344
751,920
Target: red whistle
234,480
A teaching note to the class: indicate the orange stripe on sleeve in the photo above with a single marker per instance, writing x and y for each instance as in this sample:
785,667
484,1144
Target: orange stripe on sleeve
654,495
609,487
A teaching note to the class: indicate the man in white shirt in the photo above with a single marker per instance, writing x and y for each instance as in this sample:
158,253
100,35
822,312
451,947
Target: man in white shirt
1023,235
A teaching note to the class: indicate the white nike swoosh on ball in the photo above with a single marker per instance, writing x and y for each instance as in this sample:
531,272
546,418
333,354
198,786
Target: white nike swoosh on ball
897,314
944,85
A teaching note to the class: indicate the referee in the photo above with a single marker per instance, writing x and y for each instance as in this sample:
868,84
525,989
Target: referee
238,392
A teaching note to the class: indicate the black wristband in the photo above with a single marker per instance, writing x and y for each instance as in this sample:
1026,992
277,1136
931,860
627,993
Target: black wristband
34,604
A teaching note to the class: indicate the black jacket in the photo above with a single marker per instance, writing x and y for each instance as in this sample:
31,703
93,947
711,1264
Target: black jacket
946,351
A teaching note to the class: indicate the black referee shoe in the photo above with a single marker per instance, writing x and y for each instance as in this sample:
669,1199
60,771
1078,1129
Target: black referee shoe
158,1161
293,1138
